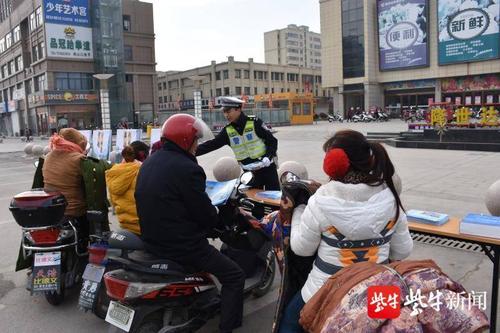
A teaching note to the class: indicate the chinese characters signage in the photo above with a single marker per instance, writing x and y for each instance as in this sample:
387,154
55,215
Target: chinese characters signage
65,41
46,271
52,97
471,83
468,31
72,12
402,29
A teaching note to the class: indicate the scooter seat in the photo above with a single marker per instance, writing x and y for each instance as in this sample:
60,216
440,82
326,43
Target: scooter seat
155,265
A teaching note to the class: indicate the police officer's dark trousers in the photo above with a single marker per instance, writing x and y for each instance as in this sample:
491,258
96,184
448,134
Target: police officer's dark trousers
266,178
232,278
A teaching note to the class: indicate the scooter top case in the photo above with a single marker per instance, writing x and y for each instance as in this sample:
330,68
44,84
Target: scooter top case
38,208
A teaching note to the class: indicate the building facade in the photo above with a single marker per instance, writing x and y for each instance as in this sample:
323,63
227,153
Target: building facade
403,54
293,46
50,50
236,78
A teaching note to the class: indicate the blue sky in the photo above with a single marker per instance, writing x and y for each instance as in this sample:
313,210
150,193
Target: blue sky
191,33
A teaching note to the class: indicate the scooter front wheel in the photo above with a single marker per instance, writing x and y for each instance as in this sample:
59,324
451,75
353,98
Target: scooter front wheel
268,278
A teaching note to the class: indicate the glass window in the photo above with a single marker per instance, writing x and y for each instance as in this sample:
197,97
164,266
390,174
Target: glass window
4,71
40,83
130,78
41,50
352,39
238,91
246,74
217,77
218,92
306,109
165,86
237,73
127,49
8,40
266,90
255,90
126,23
2,45
12,67
34,54
246,90
159,86
39,16
226,91
225,74
32,22
19,63
17,34
296,109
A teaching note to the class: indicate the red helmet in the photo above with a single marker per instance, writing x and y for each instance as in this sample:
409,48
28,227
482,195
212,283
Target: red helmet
183,129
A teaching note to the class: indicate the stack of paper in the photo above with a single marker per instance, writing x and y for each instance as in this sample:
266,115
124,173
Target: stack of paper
423,216
481,225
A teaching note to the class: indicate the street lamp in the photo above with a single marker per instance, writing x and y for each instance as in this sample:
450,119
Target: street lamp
197,79
104,98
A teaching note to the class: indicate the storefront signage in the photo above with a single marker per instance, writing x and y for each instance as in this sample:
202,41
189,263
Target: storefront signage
471,83
68,41
74,12
18,94
468,31
53,97
416,84
402,30
11,106
70,97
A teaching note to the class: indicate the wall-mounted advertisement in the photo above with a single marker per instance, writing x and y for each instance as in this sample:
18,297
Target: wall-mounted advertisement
101,144
124,137
73,12
402,33
468,30
67,41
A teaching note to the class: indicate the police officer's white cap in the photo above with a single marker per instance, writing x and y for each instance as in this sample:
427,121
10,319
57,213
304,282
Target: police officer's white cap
231,102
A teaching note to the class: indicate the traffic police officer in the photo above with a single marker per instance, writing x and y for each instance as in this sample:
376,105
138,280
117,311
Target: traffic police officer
252,142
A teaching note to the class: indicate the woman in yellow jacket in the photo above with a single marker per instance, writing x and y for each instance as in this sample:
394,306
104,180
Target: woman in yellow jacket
120,180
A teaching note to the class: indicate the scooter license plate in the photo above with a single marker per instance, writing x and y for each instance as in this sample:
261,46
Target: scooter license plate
120,316
46,272
93,272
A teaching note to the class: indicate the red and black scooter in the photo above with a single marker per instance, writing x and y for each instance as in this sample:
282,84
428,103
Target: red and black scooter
151,294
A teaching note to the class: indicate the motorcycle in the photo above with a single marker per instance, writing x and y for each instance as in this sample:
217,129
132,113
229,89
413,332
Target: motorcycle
335,117
150,294
52,242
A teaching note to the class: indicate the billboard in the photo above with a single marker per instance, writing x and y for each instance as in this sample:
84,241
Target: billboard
72,12
468,30
402,34
67,41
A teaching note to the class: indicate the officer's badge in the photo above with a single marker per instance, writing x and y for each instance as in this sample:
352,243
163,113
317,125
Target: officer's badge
249,136
236,141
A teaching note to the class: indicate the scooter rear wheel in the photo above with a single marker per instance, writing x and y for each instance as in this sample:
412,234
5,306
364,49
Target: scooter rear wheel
55,298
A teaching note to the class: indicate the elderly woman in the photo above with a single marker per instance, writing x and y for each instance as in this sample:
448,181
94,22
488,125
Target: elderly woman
62,169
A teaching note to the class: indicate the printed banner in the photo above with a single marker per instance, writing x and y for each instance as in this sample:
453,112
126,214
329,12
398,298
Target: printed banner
87,134
101,144
75,12
471,83
155,135
402,30
68,41
124,137
468,30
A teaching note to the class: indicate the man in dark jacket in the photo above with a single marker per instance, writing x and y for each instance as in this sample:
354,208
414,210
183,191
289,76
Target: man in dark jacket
253,144
176,214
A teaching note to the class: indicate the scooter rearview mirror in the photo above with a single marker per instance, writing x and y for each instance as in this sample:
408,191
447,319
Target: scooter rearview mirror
246,178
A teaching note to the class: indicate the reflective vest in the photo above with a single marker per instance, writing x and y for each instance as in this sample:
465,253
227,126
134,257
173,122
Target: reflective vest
248,145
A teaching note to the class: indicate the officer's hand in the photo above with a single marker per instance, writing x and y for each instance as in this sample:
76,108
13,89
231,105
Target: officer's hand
265,162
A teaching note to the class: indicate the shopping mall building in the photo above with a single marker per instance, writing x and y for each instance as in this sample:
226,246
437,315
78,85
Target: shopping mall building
410,53
50,50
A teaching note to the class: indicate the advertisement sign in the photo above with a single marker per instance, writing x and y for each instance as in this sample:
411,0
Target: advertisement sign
11,106
52,97
468,30
74,12
68,41
155,135
101,144
471,83
402,33
124,137
415,84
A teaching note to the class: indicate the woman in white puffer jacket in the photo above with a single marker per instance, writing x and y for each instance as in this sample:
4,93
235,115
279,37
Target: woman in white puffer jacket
355,217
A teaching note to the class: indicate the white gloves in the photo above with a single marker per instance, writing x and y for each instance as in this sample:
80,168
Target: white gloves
265,162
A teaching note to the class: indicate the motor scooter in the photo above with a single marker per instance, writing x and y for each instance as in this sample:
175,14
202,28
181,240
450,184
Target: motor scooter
150,294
